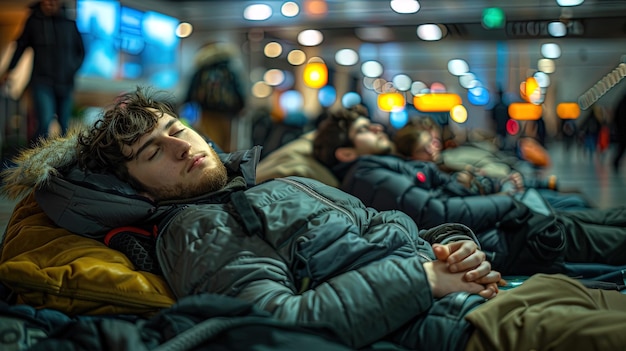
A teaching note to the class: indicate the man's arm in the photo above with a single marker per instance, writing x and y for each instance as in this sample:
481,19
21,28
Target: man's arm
22,42
383,187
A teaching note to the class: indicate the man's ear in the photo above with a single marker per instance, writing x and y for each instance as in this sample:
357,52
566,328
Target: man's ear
346,154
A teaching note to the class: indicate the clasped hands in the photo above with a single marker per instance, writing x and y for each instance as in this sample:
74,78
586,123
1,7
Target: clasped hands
461,266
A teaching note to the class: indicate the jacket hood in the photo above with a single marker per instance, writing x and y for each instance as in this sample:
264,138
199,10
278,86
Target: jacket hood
35,8
88,203
34,167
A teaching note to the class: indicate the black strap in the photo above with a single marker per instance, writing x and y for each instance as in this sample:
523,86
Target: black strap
251,221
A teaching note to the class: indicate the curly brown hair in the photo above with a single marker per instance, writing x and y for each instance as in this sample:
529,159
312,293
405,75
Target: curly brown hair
407,137
333,133
134,114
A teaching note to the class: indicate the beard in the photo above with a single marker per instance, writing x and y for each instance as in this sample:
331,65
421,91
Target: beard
212,179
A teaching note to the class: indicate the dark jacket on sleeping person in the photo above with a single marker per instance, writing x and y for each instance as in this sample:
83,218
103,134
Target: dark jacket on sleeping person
306,252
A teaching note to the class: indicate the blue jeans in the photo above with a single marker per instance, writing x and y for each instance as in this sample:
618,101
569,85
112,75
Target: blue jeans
47,105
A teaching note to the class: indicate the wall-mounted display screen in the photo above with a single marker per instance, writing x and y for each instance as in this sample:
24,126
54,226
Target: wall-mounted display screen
125,43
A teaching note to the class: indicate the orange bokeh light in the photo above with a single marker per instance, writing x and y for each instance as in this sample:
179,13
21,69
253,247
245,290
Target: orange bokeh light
524,111
568,110
391,101
436,102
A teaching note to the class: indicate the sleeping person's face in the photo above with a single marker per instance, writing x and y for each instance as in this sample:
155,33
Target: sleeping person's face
427,146
175,162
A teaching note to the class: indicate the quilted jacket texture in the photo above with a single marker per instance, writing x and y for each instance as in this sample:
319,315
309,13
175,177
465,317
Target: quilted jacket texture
306,252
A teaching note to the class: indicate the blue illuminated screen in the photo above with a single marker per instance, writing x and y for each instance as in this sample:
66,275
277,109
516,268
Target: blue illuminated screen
125,43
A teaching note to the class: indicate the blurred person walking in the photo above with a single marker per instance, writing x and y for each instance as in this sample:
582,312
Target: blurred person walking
58,54
619,125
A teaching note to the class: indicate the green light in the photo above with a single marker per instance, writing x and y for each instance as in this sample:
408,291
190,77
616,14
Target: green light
493,17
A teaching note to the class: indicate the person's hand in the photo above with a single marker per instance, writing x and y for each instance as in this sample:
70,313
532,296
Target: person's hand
464,256
465,178
517,180
443,282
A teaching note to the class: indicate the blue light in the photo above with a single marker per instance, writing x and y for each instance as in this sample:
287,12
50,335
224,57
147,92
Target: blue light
350,99
478,96
291,101
98,18
160,29
190,112
327,95
165,79
398,119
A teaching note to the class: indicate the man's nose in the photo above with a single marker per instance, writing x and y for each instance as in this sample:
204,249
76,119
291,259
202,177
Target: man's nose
180,148
376,128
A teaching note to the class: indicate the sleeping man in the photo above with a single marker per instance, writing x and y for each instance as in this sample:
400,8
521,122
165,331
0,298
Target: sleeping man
306,252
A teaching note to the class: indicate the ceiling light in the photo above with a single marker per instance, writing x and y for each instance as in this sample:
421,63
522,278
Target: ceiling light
458,67
296,57
274,77
568,110
310,37
429,32
569,2
315,74
372,69
184,30
458,114
257,12
557,29
290,9
261,90
551,50
418,87
273,49
405,6
402,82
346,57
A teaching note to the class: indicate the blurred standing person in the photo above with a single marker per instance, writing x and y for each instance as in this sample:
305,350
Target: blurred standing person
500,116
590,129
619,123
58,54
216,86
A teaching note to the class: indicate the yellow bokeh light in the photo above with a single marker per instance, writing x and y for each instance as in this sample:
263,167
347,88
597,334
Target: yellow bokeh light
391,101
315,74
436,102
458,114
273,49
261,90
296,57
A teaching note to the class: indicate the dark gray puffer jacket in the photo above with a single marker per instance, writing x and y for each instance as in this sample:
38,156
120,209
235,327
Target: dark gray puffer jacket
306,252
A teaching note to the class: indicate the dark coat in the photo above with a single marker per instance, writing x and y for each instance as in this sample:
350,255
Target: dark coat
431,197
57,49
306,252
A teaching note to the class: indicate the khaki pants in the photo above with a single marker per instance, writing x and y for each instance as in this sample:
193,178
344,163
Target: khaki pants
550,312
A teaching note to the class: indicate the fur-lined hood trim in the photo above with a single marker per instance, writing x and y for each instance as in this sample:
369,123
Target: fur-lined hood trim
35,166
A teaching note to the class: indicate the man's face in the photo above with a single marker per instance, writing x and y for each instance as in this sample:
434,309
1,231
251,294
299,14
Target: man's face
175,162
427,147
369,138
50,7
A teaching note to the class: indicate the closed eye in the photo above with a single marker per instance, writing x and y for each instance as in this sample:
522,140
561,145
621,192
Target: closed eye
178,132
156,151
